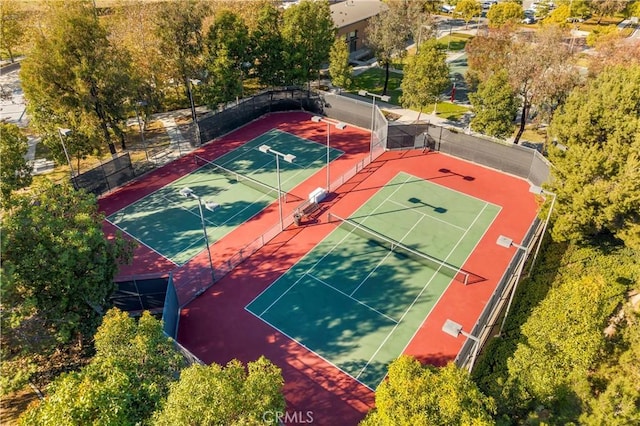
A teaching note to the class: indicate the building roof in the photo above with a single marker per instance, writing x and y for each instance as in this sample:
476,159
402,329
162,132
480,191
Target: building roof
351,11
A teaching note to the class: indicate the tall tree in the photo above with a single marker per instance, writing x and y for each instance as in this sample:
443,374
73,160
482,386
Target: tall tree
309,32
12,26
604,8
613,51
600,126
617,396
487,54
540,73
207,395
505,13
426,76
268,48
339,68
132,27
15,172
560,346
179,30
59,264
423,395
468,9
387,34
75,76
124,383
495,106
226,55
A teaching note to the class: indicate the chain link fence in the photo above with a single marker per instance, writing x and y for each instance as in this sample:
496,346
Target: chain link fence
246,110
513,159
107,176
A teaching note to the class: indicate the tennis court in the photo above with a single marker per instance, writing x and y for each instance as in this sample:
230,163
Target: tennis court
242,182
358,298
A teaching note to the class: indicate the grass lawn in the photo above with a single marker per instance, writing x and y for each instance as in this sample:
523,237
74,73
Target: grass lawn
372,80
448,110
455,42
532,135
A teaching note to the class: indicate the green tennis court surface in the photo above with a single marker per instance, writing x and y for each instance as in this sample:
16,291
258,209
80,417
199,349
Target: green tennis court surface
356,303
170,224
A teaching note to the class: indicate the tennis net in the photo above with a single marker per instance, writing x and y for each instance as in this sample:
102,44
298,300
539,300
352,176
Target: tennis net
243,179
399,248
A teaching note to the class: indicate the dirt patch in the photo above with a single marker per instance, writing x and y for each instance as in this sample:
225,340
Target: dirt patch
12,405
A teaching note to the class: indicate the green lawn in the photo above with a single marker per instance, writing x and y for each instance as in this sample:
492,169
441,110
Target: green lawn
448,110
455,41
372,80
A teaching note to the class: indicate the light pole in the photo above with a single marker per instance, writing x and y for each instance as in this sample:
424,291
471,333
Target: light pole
383,98
539,191
289,159
144,142
194,118
507,243
65,133
454,329
340,126
211,206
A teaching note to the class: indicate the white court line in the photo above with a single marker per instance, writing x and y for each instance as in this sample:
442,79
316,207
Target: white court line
142,242
352,298
180,206
442,294
428,215
247,146
310,140
385,258
451,189
309,349
305,273
420,294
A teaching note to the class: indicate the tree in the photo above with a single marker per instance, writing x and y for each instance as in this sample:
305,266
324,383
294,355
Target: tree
604,8
132,28
387,34
600,126
559,16
495,106
506,13
339,68
487,54
602,33
617,398
613,51
560,345
58,264
540,73
207,395
426,76
179,30
423,395
124,383
468,9
12,26
308,32
15,172
268,47
226,55
75,78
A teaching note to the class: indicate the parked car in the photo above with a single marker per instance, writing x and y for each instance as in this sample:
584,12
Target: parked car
529,20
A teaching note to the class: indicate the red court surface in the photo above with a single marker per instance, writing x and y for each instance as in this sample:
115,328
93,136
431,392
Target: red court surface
354,142
216,327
